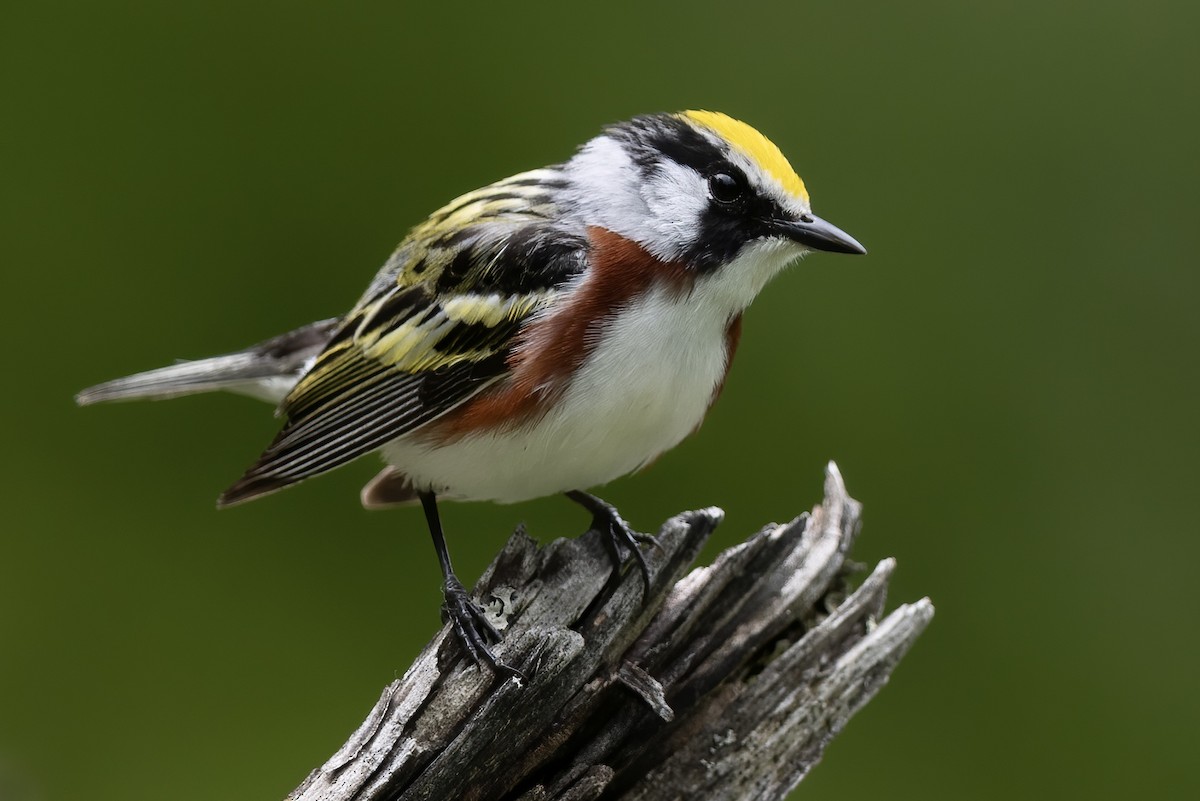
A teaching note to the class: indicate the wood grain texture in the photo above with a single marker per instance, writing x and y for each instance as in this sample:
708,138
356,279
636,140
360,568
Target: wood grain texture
726,683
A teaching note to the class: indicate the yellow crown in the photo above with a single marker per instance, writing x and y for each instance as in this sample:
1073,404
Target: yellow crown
752,144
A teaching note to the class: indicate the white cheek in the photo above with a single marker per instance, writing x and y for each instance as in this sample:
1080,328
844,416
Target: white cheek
607,190
677,198
661,212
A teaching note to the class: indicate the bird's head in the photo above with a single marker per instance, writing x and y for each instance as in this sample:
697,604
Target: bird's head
701,189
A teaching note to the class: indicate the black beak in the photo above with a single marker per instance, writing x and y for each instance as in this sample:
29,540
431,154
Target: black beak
815,233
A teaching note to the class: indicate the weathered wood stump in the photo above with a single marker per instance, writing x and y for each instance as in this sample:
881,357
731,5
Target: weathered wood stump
724,683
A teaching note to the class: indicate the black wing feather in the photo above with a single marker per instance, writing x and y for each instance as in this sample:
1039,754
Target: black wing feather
337,433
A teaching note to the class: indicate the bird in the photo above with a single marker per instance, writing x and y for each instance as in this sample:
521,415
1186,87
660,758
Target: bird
542,335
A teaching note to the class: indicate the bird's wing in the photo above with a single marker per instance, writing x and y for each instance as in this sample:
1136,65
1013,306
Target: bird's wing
435,328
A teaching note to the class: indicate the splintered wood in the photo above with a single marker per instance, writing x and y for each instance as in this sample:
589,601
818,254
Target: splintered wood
726,682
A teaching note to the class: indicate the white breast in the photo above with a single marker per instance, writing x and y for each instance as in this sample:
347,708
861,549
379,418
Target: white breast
646,385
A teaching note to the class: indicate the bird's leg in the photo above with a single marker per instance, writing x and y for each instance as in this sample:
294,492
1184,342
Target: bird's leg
471,627
618,533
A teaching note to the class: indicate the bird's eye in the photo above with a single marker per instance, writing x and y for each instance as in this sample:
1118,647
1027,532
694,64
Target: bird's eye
726,188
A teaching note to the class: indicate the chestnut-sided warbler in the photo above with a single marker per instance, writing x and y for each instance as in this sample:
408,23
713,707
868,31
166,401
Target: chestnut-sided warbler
544,334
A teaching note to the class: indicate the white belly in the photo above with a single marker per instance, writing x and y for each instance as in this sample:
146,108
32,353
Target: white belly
645,387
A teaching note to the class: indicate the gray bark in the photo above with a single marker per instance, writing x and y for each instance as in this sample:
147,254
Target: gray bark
725,682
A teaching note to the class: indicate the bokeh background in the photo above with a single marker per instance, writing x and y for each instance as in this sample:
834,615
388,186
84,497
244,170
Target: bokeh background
1009,380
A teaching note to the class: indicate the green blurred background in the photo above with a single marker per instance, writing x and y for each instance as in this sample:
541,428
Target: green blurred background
1009,381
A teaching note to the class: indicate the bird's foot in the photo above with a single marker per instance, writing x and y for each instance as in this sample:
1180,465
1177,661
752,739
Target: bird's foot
619,535
472,629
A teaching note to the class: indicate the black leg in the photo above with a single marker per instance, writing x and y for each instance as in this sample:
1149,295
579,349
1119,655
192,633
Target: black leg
472,628
606,520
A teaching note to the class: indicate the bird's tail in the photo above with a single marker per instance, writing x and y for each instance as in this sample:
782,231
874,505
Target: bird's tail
267,371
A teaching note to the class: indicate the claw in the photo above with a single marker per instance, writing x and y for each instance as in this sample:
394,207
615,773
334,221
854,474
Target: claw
472,629
620,535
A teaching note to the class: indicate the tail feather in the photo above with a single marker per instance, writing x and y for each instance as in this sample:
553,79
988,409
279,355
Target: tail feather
229,372
267,371
250,487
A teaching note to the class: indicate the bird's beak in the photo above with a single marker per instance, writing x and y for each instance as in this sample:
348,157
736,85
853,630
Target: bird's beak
813,232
